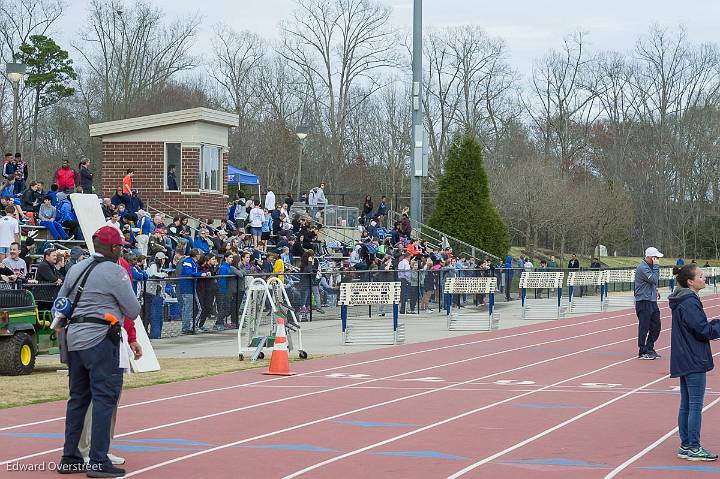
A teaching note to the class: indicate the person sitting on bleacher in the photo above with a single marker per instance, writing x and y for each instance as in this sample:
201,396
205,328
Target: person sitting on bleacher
47,216
66,216
18,214
203,242
32,197
46,270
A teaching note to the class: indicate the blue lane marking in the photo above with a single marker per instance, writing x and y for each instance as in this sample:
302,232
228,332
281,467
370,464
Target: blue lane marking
550,406
177,442
35,435
292,447
376,424
712,469
423,454
556,462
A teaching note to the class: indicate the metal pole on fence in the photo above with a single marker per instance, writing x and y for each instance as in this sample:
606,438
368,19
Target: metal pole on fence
194,305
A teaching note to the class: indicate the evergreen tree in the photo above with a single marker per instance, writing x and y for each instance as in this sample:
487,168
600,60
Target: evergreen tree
463,207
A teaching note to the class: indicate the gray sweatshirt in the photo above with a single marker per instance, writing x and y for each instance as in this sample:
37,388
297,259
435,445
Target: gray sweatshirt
108,290
47,213
646,281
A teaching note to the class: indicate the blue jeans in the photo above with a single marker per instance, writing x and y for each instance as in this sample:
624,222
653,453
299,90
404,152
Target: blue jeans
55,229
95,376
692,392
187,307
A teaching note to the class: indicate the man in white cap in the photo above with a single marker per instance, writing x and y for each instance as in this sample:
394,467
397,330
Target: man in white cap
647,276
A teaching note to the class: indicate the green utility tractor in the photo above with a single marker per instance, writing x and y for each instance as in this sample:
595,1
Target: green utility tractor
24,332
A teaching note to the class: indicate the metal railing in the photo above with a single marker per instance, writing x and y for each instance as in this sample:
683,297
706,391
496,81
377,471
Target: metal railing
441,240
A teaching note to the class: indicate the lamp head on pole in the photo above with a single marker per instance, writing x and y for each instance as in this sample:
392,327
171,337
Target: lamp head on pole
302,132
15,71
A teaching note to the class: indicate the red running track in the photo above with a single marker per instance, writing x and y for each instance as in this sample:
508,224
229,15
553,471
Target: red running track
563,399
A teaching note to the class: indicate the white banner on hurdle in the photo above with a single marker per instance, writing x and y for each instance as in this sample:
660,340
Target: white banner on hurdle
473,286
542,280
368,294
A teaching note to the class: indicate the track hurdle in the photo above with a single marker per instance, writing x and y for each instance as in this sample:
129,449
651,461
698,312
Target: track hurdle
371,330
711,276
619,276
471,320
586,304
541,308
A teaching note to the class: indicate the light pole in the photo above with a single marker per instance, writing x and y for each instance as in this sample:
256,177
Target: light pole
417,159
15,72
302,133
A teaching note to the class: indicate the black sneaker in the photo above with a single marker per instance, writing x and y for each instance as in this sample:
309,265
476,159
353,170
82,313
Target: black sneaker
647,356
104,470
71,465
654,353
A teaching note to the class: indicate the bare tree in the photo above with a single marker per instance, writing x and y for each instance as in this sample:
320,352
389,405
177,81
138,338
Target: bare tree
130,54
335,46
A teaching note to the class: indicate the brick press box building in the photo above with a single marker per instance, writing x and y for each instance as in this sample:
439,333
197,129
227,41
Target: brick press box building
194,142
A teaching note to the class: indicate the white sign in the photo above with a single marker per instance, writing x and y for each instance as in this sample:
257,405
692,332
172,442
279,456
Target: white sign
359,294
585,278
471,285
148,362
620,276
541,279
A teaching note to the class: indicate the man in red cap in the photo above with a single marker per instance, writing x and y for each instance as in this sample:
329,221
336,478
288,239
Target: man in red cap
102,296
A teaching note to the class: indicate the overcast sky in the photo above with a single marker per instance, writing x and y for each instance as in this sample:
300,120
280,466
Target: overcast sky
529,27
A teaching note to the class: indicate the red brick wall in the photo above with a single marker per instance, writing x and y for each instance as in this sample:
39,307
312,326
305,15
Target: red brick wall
148,161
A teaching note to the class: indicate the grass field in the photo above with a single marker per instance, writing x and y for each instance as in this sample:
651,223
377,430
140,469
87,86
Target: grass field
609,261
47,384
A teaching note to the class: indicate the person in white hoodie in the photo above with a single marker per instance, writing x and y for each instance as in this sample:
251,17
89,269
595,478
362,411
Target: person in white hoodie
256,218
270,199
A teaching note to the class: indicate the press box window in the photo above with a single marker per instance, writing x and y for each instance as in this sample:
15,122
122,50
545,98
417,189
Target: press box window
173,166
210,161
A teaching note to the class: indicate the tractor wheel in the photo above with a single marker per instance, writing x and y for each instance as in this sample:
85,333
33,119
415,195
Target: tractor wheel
17,355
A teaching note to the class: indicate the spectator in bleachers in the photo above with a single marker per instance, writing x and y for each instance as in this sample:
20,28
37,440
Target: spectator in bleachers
86,176
119,198
14,262
47,216
65,177
114,221
189,270
289,201
66,216
574,263
405,226
135,202
256,219
21,174
46,270
269,199
8,186
17,213
127,182
8,165
146,227
367,209
202,241
32,198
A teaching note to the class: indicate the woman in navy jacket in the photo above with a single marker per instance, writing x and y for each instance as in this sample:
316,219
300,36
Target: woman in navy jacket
691,358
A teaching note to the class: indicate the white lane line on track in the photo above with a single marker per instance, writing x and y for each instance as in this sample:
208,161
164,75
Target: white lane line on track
652,446
451,419
347,386
334,368
384,403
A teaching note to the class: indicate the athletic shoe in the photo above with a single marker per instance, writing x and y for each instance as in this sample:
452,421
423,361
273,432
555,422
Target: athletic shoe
654,353
682,452
71,465
647,356
116,460
381,315
701,454
104,470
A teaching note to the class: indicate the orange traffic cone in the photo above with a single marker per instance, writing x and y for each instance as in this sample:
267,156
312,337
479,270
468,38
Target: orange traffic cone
280,360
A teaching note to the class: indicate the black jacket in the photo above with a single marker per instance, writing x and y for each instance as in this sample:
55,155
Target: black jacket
86,180
46,273
691,334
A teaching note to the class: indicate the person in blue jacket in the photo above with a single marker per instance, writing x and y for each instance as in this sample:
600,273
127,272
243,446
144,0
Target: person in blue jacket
691,357
186,288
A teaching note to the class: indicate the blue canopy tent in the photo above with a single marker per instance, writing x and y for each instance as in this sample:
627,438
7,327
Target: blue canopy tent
236,176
